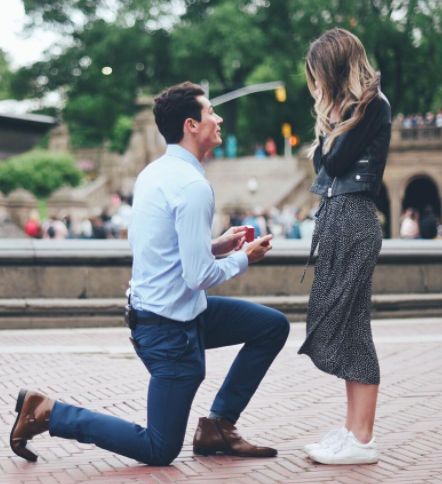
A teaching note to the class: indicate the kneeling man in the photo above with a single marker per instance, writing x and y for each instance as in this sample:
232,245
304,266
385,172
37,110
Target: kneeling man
172,320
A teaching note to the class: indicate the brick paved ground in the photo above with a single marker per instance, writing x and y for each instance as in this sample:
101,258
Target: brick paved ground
294,405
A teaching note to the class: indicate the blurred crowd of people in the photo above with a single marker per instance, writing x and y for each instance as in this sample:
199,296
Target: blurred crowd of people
426,125
110,223
289,222
269,148
298,223
415,225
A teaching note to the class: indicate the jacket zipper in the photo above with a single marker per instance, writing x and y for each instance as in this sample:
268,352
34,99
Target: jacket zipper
330,189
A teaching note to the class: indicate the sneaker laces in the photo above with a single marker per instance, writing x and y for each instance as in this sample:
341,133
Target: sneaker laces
332,436
340,444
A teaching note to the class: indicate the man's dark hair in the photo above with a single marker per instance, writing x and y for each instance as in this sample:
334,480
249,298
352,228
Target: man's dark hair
173,106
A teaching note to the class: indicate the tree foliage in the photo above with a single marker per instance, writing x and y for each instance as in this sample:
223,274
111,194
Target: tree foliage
39,171
5,76
230,43
121,134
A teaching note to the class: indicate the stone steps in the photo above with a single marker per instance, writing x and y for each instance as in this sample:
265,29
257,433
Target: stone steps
70,313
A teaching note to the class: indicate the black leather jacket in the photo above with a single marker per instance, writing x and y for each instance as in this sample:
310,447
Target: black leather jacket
356,160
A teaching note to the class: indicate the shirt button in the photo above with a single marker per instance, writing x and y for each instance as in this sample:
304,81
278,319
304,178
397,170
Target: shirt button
358,177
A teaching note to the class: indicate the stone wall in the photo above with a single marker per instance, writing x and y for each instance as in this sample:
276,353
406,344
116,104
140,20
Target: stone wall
145,144
101,269
3,208
78,203
64,284
81,202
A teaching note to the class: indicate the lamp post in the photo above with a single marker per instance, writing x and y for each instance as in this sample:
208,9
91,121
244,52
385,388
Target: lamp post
206,87
279,86
286,130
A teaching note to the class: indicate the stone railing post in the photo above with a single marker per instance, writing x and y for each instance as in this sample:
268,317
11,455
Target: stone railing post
3,209
21,204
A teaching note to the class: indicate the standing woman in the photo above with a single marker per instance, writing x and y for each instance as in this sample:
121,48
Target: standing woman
353,128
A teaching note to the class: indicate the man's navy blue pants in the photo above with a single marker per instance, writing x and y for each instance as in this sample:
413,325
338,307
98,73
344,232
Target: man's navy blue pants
173,353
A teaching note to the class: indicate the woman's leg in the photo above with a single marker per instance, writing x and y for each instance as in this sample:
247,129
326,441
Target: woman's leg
361,409
349,416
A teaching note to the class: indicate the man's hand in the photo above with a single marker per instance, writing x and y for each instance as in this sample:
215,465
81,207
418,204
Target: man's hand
257,249
232,239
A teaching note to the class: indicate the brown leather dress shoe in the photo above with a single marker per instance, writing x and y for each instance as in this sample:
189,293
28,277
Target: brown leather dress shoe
33,411
220,436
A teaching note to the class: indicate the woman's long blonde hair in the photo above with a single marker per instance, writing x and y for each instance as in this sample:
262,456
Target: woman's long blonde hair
339,76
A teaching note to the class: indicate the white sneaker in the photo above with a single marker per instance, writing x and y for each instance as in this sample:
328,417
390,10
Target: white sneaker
348,451
330,438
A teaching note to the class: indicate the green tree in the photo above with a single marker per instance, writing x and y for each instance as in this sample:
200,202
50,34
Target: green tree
102,71
59,12
403,40
230,43
222,45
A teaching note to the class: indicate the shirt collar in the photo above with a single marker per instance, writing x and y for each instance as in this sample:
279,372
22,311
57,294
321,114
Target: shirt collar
179,152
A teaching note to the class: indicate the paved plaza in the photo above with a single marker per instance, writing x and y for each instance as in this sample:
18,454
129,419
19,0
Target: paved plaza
295,404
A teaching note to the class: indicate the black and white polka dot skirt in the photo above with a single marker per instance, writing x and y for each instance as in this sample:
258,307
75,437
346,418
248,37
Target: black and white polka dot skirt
339,339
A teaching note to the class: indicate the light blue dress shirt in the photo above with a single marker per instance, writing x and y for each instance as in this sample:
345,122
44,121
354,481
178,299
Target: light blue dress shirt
170,237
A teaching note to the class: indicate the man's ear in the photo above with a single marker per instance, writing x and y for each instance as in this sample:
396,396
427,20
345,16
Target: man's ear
190,125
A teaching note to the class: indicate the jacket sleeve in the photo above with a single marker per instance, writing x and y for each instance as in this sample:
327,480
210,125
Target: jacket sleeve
348,147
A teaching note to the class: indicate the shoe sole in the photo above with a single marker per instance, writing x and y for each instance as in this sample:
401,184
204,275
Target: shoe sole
18,408
205,453
374,460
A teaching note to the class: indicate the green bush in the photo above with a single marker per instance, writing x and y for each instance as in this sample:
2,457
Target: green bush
39,171
121,133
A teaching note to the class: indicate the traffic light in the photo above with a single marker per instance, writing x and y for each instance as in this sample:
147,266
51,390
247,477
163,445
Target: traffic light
294,140
286,130
281,94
